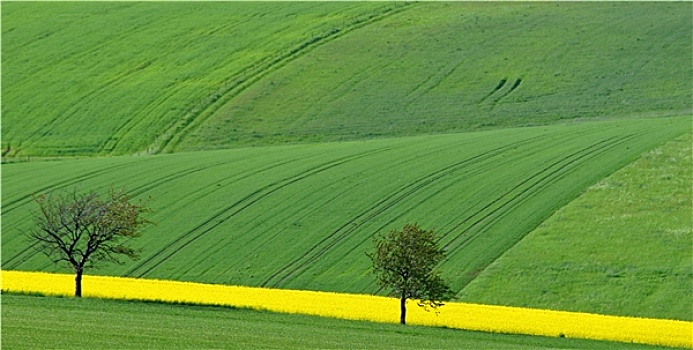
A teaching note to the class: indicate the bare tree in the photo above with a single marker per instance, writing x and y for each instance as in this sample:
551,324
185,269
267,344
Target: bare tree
83,229
404,262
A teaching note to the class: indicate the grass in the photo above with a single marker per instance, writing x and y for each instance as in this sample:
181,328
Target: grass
31,322
189,76
438,67
600,83
302,217
623,247
142,75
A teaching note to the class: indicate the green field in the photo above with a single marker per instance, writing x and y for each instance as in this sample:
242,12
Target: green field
189,76
632,257
98,324
275,139
303,216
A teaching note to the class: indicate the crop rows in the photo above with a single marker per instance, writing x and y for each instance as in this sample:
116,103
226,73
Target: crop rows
635,227
152,67
526,64
167,77
303,216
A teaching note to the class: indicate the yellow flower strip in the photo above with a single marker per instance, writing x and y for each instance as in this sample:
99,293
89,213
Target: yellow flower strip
501,319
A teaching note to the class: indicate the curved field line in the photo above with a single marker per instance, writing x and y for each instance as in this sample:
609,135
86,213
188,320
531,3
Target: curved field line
296,266
467,174
480,224
500,85
239,177
226,213
135,191
550,173
85,54
476,171
304,211
515,85
131,123
124,129
432,82
221,98
17,203
29,251
402,196
219,248
84,99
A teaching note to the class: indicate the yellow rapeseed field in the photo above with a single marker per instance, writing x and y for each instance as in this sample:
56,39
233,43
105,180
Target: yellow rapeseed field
488,318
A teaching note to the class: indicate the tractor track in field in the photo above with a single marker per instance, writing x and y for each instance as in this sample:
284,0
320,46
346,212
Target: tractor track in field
592,151
83,100
298,265
29,251
307,213
245,175
515,85
500,87
228,212
17,203
241,82
538,180
467,174
120,133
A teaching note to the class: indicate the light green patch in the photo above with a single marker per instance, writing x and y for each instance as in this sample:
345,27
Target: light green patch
623,247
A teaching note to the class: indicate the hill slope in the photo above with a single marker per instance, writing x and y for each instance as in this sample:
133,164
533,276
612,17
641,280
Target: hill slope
187,76
624,247
443,67
73,85
303,216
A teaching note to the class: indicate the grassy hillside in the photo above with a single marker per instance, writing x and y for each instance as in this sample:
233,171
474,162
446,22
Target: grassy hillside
303,216
31,322
102,78
624,247
185,76
443,67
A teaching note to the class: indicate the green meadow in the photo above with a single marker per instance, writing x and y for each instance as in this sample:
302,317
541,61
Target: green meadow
97,324
548,145
190,76
632,257
303,216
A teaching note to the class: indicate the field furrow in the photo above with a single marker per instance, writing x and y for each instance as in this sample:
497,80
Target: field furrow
482,192
222,216
315,252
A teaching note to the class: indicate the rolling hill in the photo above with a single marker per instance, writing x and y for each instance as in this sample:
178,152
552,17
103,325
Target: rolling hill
194,76
623,247
275,139
303,216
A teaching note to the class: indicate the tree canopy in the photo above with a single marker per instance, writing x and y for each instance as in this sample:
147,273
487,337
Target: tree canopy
83,229
404,262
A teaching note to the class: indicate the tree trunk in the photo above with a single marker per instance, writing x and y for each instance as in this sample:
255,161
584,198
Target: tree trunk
403,307
78,282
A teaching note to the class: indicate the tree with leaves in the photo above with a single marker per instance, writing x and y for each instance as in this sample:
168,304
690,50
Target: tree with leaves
83,229
404,262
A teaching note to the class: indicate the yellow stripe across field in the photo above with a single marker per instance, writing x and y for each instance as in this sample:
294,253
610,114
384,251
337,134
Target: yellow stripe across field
501,319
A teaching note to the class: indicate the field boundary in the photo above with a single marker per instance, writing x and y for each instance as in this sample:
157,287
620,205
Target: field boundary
477,317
